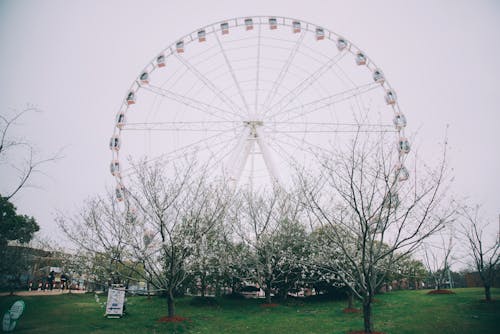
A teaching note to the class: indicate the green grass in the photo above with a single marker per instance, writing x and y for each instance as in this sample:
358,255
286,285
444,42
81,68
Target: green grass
395,312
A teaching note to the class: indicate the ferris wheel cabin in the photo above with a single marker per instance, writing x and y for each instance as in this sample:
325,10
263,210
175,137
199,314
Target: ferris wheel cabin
378,76
130,98
320,34
341,44
360,58
248,24
202,36
114,168
273,23
179,46
399,121
403,145
119,191
224,28
120,120
296,27
114,143
160,60
401,172
390,97
144,78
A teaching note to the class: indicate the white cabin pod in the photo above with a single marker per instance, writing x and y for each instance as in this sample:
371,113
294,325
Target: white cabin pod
360,58
399,121
401,172
160,60
320,34
378,76
224,28
120,120
296,27
391,200
202,36
273,23
144,78
130,98
114,168
248,24
120,192
390,97
179,46
114,143
341,44
403,145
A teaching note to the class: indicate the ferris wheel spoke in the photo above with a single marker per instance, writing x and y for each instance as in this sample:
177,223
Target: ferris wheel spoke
305,145
231,70
284,70
181,149
312,106
295,92
283,152
257,75
209,84
218,155
222,158
191,102
182,126
327,127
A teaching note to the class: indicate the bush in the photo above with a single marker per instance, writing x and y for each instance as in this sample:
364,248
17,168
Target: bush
203,301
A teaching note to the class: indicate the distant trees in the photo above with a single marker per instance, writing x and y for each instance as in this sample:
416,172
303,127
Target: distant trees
483,249
18,230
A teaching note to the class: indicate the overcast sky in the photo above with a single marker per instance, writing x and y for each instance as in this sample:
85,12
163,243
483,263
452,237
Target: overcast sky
76,59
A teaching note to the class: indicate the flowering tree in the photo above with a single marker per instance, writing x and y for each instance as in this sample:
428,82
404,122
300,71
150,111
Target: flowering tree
261,221
153,234
373,220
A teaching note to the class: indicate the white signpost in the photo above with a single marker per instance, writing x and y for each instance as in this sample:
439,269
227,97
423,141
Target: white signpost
10,317
114,306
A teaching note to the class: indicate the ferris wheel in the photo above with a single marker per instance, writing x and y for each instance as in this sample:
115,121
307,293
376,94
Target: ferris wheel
252,99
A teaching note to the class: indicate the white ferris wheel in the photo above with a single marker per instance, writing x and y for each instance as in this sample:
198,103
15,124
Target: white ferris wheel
253,98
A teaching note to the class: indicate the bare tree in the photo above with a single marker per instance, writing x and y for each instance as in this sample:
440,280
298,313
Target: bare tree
18,154
438,258
484,253
374,220
101,232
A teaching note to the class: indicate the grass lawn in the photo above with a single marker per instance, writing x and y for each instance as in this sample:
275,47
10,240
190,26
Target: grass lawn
396,312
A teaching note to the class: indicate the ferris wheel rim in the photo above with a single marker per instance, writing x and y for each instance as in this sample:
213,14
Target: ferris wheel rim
261,20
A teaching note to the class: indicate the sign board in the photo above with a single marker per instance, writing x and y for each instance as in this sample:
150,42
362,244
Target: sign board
8,324
57,270
17,309
114,306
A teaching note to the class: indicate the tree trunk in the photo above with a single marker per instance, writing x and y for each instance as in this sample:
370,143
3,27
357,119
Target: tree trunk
285,294
203,285
268,295
367,314
350,300
170,303
487,293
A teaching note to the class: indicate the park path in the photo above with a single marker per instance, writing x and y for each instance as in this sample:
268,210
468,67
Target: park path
41,293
